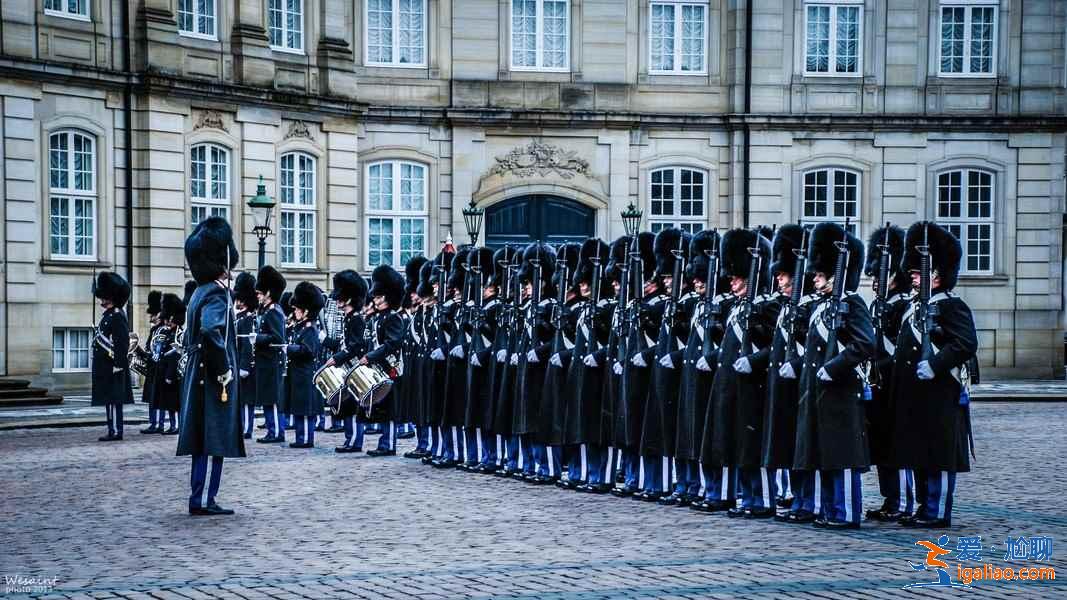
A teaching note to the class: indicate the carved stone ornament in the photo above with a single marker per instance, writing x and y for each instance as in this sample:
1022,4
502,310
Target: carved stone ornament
298,129
539,158
212,119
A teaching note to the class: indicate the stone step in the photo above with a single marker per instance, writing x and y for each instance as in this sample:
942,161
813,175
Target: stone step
43,399
14,384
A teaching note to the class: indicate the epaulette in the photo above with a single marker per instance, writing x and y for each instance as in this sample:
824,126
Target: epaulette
656,300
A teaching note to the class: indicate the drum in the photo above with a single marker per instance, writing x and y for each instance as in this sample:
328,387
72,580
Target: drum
329,381
369,385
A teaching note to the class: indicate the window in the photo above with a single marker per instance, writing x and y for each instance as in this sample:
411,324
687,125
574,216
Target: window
71,195
396,33
71,350
297,189
968,37
833,39
74,9
677,197
196,18
540,35
286,20
832,195
396,212
965,207
676,38
209,169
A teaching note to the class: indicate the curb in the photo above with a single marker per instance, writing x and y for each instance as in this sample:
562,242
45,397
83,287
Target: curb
65,423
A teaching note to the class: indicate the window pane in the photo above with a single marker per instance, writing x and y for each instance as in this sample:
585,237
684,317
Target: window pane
294,23
952,26
662,37
380,242
380,187
380,31
412,238
818,39
83,226
981,39
306,240
275,18
979,247
285,186
692,228
411,187
845,186
662,192
692,193
692,38
58,349
979,195
57,161
206,17
219,178
555,38
199,213
198,171
411,41
306,180
524,33
848,30
657,226
288,236
59,225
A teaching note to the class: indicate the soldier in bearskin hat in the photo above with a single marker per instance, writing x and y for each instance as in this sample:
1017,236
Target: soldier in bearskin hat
887,311
302,400
245,302
111,366
553,392
387,338
497,295
417,365
169,381
442,317
405,402
831,432
155,307
480,328
211,414
350,294
930,398
510,333
455,364
269,356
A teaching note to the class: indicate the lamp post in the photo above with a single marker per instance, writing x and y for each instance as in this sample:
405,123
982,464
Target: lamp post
472,218
631,219
262,207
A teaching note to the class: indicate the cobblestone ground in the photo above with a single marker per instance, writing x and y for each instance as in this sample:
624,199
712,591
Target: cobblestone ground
109,520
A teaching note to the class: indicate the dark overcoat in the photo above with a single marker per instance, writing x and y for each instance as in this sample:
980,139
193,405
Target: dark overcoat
168,392
440,330
783,395
270,361
694,386
388,338
879,414
603,431
478,413
584,385
661,413
111,370
554,390
529,377
246,356
509,339
148,386
301,397
636,381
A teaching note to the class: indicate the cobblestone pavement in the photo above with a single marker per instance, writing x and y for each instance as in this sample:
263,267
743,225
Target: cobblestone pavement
109,520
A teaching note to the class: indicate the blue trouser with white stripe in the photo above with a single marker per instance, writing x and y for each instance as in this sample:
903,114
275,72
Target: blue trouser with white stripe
114,419
807,491
154,417
578,463
688,475
720,483
934,492
172,417
547,459
274,420
631,469
452,444
758,488
472,446
600,464
655,473
784,483
437,442
197,499
842,496
305,429
492,449
387,441
249,414
354,432
513,448
423,435
897,486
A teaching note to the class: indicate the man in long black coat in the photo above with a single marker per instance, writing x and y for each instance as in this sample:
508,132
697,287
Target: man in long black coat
477,422
387,294
302,399
554,391
270,359
211,411
112,387
831,429
148,386
350,293
244,300
930,398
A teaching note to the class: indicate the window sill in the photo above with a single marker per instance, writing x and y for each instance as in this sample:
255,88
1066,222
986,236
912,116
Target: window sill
284,50
198,36
983,280
66,15
966,76
299,270
72,266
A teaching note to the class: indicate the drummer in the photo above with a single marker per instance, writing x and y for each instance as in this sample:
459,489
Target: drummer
350,292
387,294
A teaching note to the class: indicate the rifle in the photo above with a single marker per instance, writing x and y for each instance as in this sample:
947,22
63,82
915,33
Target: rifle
796,293
925,312
837,308
880,307
711,308
671,310
622,310
744,315
591,305
557,308
478,314
635,306
438,316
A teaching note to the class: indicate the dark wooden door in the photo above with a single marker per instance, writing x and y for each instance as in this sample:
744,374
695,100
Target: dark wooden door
550,219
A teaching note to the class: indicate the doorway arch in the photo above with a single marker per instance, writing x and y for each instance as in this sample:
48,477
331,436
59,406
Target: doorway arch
538,217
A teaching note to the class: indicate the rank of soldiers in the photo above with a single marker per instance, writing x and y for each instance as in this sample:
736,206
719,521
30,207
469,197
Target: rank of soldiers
738,373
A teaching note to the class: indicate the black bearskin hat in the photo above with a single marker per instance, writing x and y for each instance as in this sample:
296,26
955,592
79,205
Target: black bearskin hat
308,297
502,258
286,302
112,287
155,302
385,281
591,248
270,281
667,241
617,252
895,241
766,232
210,250
567,255
411,273
702,242
646,248
543,253
190,289
822,253
350,287
736,259
787,238
244,289
426,279
173,308
946,253
457,276
482,259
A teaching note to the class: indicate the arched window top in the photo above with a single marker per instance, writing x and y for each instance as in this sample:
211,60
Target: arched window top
72,193
832,194
72,161
297,185
677,197
209,181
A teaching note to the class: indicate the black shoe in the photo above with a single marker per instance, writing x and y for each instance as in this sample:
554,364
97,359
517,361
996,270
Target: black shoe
759,513
711,506
926,523
672,500
381,452
835,525
320,428
442,464
109,438
907,520
334,429
347,449
150,429
415,454
796,517
567,484
885,515
210,510
542,480
428,459
503,472
301,445
738,512
462,466
784,502
268,439
171,431
623,492
407,435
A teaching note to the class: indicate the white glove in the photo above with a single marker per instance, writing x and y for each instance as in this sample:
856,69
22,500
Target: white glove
590,361
617,368
742,365
501,356
169,381
243,373
703,365
515,359
823,375
555,361
226,377
666,362
437,354
638,361
786,371
457,352
475,361
116,370
925,371
531,357
322,335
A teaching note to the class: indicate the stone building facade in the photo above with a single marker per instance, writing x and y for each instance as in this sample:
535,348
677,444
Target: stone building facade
372,122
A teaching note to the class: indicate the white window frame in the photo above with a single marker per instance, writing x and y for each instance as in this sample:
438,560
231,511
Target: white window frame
968,6
834,5
964,221
214,35
283,10
687,223
212,205
679,6
289,191
394,214
830,216
67,349
64,10
71,194
395,52
539,30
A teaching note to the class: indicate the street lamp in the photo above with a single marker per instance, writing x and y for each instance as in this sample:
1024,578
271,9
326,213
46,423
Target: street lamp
472,218
262,207
631,219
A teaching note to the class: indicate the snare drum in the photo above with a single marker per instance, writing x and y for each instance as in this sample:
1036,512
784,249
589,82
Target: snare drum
329,381
369,384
